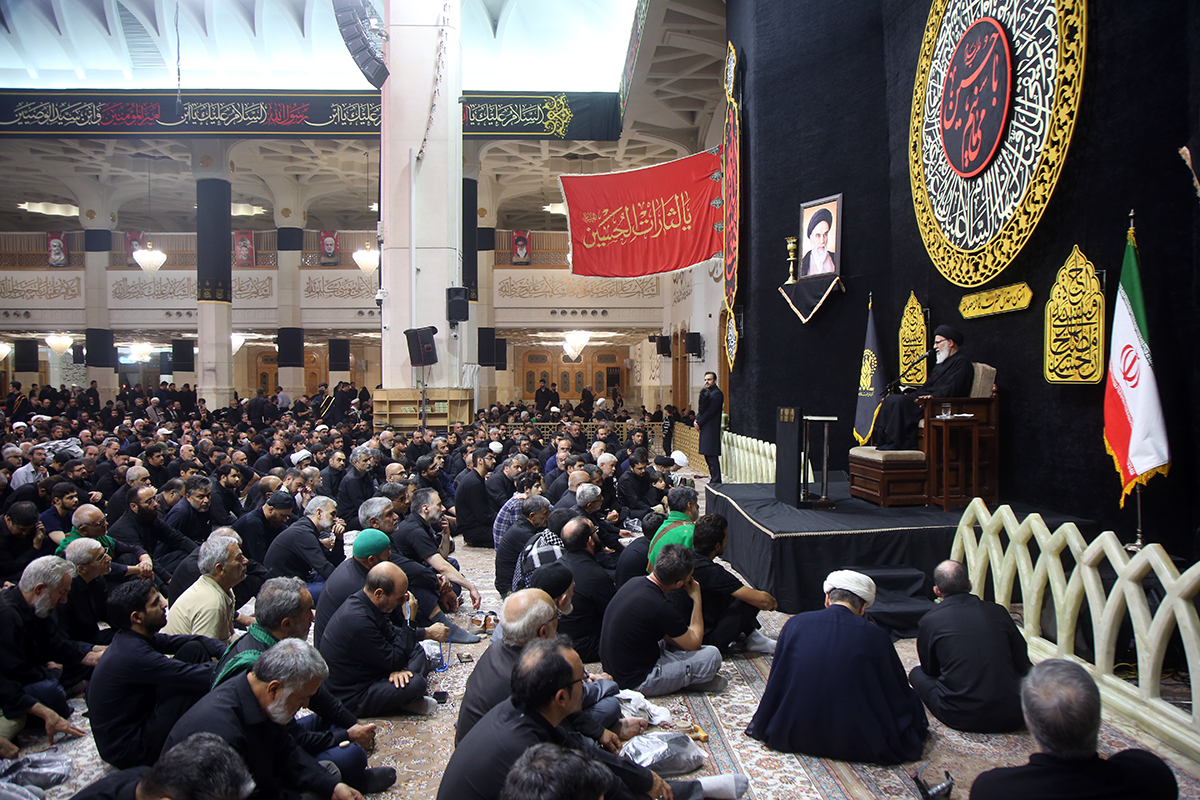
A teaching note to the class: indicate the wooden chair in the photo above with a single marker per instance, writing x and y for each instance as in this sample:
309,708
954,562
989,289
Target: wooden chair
904,477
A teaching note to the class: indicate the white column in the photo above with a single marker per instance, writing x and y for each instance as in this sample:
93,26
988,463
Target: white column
421,192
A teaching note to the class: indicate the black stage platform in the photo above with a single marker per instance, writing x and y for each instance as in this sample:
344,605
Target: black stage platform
788,551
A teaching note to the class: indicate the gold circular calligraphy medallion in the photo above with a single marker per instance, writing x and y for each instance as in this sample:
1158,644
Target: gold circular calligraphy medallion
973,227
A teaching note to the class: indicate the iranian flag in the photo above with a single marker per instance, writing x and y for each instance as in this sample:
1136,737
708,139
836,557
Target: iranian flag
1134,432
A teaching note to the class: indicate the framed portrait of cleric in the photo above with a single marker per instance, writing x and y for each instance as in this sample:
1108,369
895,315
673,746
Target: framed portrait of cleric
821,237
243,248
329,249
56,249
520,248
133,243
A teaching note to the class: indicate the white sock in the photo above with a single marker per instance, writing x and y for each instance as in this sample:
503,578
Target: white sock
729,786
758,643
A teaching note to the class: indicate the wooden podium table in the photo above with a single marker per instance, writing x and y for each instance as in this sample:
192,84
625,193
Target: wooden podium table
953,460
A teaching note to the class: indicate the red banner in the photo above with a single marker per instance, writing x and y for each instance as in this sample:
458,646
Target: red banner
644,221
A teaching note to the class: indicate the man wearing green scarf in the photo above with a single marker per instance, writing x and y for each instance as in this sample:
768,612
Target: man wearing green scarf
88,521
677,528
283,609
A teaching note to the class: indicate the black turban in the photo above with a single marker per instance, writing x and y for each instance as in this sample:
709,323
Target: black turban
822,215
946,332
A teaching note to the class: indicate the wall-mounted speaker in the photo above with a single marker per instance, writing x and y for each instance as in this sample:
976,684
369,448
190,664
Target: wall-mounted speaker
353,18
487,347
458,304
422,351
664,345
695,344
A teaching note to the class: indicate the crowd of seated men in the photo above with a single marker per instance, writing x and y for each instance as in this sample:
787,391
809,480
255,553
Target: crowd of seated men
134,537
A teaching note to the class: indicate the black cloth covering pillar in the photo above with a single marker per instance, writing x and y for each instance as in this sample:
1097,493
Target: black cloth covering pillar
214,223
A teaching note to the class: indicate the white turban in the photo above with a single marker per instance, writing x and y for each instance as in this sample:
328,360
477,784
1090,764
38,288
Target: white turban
495,447
851,581
299,456
680,459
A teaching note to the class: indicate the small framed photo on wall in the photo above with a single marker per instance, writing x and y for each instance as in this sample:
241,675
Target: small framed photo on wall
243,248
821,232
56,249
134,241
520,248
330,256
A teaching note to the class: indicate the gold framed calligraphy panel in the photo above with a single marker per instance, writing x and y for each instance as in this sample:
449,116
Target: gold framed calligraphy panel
912,342
974,227
1075,324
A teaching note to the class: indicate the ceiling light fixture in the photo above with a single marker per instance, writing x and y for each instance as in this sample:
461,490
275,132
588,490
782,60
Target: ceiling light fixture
574,342
366,258
50,209
59,342
148,258
556,208
5,349
141,351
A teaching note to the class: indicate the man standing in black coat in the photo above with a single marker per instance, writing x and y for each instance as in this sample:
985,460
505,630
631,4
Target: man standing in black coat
708,422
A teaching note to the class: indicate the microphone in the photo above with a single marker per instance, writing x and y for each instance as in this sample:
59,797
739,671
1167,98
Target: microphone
930,353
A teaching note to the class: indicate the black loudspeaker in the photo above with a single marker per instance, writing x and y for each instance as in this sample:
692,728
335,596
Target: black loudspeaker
458,304
165,367
25,356
485,239
291,347
787,456
695,345
500,362
422,352
352,17
339,355
487,347
183,355
664,345
77,356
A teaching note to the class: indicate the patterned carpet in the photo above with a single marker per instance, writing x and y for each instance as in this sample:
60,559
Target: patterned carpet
420,747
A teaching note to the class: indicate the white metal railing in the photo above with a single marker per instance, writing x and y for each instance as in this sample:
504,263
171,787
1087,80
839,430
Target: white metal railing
1105,610
746,460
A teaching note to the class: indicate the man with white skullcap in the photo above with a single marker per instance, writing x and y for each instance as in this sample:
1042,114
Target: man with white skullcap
837,688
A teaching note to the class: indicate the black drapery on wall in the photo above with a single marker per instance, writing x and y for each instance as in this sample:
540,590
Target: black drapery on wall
826,97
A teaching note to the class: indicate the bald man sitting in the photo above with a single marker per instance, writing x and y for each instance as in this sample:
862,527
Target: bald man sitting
528,615
568,498
376,668
972,658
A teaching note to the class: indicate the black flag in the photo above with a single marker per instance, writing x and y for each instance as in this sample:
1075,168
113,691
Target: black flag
870,383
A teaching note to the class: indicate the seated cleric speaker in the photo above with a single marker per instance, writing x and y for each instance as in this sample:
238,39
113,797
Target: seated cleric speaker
422,352
900,414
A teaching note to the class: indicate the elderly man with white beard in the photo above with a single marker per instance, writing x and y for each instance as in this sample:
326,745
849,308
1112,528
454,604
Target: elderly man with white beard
900,414
30,639
250,712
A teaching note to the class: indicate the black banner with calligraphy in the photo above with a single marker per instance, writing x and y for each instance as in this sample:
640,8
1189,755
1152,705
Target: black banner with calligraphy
551,115
30,113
